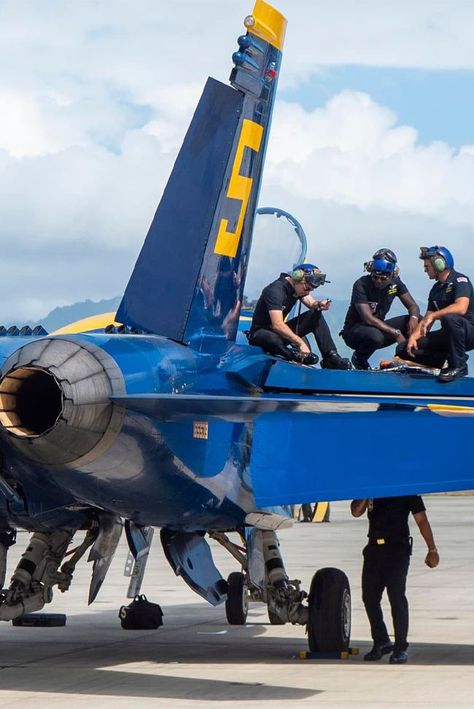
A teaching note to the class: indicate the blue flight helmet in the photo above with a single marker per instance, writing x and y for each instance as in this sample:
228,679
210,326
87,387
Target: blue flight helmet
387,254
382,265
440,257
384,262
310,274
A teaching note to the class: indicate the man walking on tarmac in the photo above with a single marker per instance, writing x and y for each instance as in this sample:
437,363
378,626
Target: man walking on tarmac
386,561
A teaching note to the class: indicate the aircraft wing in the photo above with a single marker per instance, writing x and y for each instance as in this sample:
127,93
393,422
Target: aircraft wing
327,446
369,434
345,454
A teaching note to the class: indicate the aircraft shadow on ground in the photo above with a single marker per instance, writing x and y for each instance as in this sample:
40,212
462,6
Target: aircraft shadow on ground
71,660
93,655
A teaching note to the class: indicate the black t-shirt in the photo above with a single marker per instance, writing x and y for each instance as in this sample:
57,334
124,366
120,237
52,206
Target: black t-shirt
279,295
379,299
389,517
456,286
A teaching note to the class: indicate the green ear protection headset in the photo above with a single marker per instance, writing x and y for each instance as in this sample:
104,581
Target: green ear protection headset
310,274
440,257
298,275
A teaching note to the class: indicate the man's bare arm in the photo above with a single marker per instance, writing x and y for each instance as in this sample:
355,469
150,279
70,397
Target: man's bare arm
432,557
358,507
370,319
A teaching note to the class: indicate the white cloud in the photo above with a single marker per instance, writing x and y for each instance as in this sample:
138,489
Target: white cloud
352,151
95,99
432,34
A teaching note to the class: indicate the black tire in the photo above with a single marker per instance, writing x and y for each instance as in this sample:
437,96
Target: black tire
236,606
274,618
329,603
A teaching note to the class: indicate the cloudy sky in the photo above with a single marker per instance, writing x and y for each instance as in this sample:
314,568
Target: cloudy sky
372,141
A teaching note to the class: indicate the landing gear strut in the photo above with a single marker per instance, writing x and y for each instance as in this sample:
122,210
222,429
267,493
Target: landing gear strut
326,612
39,569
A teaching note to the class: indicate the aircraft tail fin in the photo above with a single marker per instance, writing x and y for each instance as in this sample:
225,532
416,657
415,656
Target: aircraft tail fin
188,281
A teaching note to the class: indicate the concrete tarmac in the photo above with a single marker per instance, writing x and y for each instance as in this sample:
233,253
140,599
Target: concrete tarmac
197,660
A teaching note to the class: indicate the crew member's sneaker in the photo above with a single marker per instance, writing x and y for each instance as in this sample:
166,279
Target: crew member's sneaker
333,360
399,657
378,651
309,358
359,362
295,355
449,375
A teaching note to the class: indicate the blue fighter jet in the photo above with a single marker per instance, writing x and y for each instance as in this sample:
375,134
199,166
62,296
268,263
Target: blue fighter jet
155,417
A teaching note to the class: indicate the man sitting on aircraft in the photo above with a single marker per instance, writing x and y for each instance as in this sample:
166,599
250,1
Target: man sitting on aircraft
451,302
270,331
365,328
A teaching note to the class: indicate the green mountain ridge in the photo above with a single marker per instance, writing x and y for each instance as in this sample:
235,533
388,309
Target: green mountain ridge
61,316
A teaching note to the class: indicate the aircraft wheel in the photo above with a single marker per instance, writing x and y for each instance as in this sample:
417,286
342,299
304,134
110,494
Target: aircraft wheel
274,618
329,603
237,605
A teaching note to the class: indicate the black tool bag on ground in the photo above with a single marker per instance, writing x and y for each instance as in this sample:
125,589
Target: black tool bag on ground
141,615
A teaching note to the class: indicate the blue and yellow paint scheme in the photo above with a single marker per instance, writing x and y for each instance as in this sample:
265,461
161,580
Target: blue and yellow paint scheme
74,446
91,324
179,426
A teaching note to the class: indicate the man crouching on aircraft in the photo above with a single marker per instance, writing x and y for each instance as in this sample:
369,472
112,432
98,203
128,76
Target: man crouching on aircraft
451,301
270,331
365,328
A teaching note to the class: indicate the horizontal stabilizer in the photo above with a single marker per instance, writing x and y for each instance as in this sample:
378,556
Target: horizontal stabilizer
335,456
170,407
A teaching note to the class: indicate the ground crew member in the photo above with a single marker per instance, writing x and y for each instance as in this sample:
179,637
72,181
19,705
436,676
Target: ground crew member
386,561
365,328
270,331
451,302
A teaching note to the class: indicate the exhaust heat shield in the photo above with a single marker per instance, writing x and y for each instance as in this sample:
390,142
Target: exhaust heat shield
55,401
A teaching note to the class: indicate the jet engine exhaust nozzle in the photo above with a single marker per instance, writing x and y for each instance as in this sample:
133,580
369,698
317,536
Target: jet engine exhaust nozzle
55,400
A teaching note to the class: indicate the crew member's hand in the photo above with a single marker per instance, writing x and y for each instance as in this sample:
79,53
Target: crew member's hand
412,325
425,325
304,349
401,338
432,558
412,346
324,304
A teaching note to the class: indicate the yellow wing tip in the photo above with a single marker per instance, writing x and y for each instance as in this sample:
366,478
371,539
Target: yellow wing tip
451,409
268,23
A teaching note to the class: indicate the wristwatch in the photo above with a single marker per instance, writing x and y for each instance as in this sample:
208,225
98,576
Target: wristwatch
397,332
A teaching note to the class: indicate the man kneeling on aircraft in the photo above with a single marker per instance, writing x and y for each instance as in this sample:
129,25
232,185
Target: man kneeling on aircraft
275,336
365,328
451,302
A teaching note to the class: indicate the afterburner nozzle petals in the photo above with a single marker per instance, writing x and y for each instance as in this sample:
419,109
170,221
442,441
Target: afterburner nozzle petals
55,400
